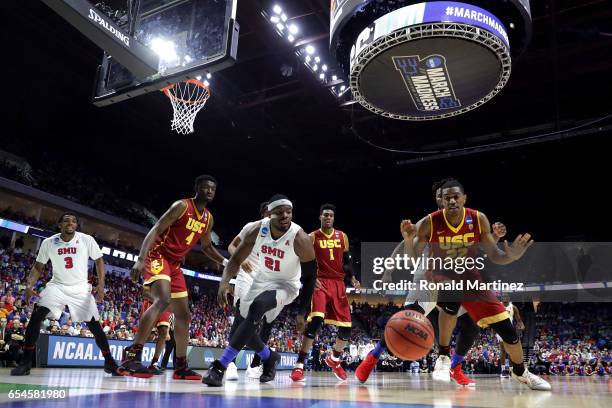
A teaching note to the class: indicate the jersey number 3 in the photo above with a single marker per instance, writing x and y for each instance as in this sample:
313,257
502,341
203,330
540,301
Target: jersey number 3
68,261
272,264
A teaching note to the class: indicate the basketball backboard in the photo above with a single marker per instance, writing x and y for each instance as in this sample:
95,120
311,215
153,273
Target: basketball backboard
191,37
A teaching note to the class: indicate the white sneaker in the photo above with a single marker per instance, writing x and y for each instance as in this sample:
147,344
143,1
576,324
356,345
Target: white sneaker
231,372
441,370
532,381
254,372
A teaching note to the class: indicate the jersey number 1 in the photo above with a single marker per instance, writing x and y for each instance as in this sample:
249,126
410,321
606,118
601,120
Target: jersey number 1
68,261
272,264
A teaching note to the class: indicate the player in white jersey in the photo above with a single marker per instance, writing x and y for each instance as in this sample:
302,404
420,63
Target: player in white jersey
69,252
515,318
248,270
286,257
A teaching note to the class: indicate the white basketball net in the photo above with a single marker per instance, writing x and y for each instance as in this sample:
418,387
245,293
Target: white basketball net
187,99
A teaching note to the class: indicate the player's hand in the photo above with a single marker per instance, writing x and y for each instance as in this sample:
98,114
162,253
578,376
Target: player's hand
100,294
224,293
518,247
499,230
30,293
318,284
408,230
138,269
356,284
300,323
246,266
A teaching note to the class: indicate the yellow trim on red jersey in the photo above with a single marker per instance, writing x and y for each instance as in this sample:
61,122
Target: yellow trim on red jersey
156,278
196,210
455,230
486,321
430,227
478,220
163,324
337,323
178,295
184,211
328,236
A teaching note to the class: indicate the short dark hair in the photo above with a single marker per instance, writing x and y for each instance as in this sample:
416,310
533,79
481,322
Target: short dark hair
263,207
327,206
277,197
450,183
202,178
438,184
61,217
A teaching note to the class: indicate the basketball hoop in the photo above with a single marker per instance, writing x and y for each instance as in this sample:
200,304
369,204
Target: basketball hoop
187,99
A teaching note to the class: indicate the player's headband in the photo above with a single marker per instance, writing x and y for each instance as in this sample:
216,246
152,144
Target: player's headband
278,203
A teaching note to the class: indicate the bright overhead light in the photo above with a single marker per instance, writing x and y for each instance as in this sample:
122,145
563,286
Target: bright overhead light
307,58
277,9
324,67
163,48
284,17
206,83
334,78
317,59
209,75
293,29
322,76
274,19
291,38
280,27
310,49
342,88
315,67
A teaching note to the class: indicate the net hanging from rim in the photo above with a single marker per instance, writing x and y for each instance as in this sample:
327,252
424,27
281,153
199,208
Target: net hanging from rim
187,98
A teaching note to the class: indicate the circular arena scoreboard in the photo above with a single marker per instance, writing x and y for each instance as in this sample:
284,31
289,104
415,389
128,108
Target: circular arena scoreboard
418,61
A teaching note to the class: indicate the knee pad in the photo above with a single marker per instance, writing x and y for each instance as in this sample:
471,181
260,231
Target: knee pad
415,306
506,331
313,327
452,308
344,333
467,326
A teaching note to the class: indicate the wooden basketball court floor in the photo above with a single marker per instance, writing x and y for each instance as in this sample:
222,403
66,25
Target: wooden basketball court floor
92,388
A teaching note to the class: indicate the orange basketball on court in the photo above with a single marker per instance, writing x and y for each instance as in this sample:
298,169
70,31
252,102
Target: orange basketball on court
409,335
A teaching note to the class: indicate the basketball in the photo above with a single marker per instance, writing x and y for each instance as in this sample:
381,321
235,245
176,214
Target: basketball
409,335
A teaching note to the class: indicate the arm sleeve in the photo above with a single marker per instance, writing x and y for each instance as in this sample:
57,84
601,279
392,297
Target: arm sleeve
308,278
93,248
43,253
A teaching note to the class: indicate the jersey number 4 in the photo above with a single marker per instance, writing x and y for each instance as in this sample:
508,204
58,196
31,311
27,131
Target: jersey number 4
272,264
68,261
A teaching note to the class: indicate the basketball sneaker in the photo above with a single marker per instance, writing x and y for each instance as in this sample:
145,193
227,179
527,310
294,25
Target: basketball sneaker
254,372
365,368
214,376
269,367
297,374
154,368
185,373
531,380
336,367
22,369
231,372
460,378
111,367
441,370
131,365
505,373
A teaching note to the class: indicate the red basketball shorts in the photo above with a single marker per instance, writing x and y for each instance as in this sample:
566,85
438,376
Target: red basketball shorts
484,308
330,302
159,267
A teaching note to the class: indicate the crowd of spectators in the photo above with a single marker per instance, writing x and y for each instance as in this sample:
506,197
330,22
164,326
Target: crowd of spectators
571,339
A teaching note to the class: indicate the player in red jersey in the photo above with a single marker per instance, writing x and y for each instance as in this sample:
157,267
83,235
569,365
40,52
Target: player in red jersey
329,301
163,329
163,249
456,232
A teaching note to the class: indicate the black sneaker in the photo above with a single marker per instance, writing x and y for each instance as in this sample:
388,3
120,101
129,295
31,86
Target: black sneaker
131,365
21,369
214,376
186,373
269,367
155,369
111,367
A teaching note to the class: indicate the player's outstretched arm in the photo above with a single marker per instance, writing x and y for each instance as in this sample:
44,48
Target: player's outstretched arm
246,265
175,212
231,269
101,271
510,253
305,251
209,249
